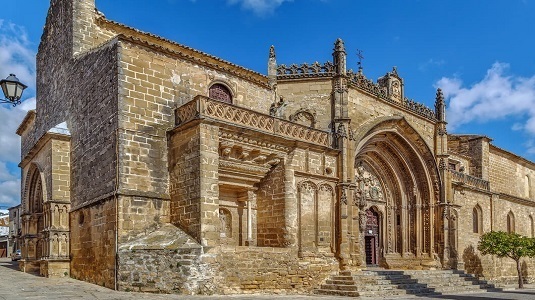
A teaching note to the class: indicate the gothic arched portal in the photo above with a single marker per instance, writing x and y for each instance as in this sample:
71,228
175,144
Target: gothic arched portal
404,172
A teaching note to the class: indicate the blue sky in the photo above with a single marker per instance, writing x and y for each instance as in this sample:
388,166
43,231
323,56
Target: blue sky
482,53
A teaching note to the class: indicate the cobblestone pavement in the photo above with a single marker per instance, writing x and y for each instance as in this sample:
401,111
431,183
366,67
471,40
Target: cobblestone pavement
18,285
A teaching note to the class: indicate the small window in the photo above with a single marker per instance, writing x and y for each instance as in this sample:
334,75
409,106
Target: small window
475,226
220,92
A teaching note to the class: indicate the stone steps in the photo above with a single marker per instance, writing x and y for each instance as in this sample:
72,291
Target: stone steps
389,283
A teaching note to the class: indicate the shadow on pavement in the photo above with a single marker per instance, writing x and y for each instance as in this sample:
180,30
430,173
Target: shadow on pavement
14,265
460,297
530,292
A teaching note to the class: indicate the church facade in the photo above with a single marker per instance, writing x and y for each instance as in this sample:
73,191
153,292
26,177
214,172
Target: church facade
148,165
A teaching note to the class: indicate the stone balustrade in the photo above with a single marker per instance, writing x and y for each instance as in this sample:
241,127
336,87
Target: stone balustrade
204,107
470,180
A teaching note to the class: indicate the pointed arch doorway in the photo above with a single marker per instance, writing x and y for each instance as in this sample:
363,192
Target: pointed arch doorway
372,239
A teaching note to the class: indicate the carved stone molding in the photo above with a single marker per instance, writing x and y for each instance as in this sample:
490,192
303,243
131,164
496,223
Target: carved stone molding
306,70
305,117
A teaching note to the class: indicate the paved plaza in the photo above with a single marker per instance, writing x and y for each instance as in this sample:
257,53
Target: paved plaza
18,285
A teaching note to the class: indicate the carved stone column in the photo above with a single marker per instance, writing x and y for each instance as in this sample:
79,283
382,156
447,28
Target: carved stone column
251,201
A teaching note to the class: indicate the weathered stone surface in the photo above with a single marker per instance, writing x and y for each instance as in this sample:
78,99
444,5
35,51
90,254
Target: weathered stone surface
184,173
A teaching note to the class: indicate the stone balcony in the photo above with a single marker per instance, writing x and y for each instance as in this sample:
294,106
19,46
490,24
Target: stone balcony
202,107
469,180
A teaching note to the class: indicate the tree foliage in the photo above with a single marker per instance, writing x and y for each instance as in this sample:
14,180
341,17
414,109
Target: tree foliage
512,245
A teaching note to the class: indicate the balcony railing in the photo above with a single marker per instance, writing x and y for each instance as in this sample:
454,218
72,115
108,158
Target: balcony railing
470,180
203,107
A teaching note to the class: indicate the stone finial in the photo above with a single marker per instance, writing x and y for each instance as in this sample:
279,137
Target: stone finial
339,57
439,96
272,68
440,106
339,45
272,52
395,71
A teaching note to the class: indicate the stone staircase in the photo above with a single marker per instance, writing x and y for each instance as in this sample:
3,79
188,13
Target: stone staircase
392,283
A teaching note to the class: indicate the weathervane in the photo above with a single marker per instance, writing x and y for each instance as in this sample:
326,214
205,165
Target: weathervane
361,57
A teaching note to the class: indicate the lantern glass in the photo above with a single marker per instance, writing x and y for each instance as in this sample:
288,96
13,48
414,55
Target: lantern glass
12,88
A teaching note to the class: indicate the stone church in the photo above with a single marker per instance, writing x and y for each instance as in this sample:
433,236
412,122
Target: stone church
148,165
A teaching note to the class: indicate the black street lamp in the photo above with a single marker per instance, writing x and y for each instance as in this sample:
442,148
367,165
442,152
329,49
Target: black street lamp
12,88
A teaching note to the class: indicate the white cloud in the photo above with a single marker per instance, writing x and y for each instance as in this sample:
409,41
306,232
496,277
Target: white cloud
259,7
18,57
10,195
496,96
431,63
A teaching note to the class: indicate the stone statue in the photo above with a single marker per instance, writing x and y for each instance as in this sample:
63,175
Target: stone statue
277,109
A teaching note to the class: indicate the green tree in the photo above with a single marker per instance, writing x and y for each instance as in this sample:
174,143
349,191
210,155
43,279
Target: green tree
512,245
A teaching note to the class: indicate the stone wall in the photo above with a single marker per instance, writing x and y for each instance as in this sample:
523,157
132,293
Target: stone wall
93,243
94,126
271,209
61,174
313,95
503,167
364,108
494,217
177,271
184,160
69,30
194,163
271,270
139,215
229,270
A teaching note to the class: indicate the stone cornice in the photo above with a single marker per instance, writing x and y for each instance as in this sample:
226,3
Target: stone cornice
123,192
511,198
159,44
325,178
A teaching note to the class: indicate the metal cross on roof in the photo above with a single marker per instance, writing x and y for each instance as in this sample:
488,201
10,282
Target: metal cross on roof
361,57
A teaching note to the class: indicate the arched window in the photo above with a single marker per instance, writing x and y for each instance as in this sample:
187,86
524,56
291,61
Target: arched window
220,92
527,187
477,219
532,229
510,222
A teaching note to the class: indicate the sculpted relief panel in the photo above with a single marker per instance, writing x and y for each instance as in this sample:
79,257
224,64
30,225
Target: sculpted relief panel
368,184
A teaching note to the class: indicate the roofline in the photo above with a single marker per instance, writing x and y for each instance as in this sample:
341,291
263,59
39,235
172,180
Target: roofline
509,153
29,115
472,136
130,34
